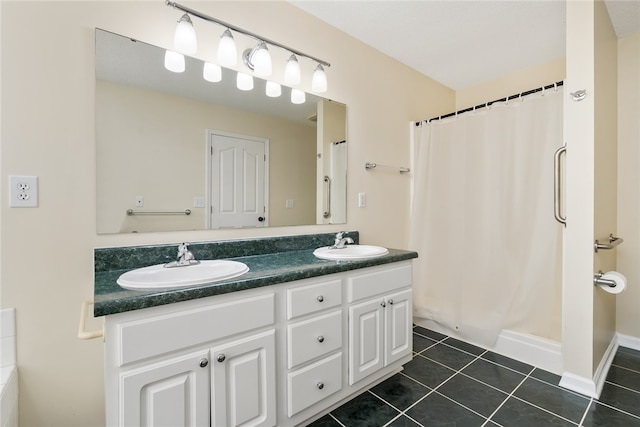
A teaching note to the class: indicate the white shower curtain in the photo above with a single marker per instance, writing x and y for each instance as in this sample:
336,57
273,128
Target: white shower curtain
482,221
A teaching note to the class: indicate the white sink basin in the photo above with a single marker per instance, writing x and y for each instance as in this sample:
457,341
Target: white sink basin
160,277
350,252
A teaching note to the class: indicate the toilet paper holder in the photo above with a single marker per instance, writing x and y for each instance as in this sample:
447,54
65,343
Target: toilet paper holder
613,242
598,280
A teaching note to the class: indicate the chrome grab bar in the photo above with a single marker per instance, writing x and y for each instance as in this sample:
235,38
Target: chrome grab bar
327,213
184,212
557,185
613,242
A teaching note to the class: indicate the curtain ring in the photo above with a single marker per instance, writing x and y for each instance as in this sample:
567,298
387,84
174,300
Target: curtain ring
487,106
555,87
543,90
506,101
520,97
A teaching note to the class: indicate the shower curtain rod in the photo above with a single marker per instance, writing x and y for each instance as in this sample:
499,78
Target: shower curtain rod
488,104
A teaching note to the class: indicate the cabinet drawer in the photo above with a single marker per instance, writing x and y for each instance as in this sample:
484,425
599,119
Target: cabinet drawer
378,281
157,335
313,383
308,299
314,337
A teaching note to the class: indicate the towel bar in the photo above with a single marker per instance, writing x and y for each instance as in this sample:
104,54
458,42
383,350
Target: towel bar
613,242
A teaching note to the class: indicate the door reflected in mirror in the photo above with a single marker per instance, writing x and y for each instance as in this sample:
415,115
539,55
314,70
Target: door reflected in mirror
176,152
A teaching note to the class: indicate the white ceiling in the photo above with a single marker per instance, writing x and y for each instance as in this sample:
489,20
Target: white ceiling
463,43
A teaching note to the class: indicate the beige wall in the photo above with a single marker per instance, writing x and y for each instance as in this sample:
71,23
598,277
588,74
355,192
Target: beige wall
153,144
606,169
48,130
628,303
512,84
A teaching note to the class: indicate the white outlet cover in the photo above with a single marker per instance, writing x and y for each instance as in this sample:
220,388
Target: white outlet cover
23,191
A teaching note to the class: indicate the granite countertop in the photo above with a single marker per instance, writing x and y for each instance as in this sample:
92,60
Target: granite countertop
264,270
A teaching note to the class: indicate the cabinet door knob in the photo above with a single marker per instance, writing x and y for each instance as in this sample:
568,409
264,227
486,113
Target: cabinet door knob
320,386
320,338
221,358
391,301
383,304
320,298
204,363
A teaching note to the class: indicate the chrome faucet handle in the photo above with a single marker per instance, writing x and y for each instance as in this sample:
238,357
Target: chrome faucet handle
185,256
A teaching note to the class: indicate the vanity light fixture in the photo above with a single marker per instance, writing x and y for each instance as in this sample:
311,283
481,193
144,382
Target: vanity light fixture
174,61
273,90
185,40
257,59
298,96
244,81
319,81
212,72
227,51
292,71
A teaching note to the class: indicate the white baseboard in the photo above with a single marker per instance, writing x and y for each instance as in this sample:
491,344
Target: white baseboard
536,351
592,387
582,385
628,341
539,352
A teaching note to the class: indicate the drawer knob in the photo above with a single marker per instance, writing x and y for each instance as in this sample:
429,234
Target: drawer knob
383,304
391,302
320,386
320,338
221,358
204,363
320,298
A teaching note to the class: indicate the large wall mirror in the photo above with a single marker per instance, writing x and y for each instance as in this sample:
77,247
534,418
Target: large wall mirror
178,152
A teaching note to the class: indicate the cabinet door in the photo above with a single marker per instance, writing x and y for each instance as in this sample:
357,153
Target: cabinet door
172,393
397,324
365,339
243,382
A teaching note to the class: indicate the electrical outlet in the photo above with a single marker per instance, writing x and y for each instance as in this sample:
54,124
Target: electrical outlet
289,204
140,202
23,191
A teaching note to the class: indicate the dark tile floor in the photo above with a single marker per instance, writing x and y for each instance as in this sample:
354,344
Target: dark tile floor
452,383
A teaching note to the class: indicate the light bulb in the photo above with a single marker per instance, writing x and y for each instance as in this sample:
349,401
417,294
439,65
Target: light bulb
297,96
274,90
174,61
319,80
292,71
212,72
244,81
185,38
261,60
227,51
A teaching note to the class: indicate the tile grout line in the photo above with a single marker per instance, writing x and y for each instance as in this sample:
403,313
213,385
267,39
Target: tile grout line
545,409
489,418
617,409
586,411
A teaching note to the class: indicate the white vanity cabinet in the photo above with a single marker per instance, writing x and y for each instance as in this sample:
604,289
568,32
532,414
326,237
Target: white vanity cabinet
196,363
243,382
278,355
380,326
170,392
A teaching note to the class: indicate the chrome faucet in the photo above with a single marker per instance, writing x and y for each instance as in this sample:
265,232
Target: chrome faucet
341,241
185,257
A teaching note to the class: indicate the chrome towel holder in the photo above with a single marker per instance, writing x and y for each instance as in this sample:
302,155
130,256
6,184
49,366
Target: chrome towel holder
613,242
373,165
184,212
